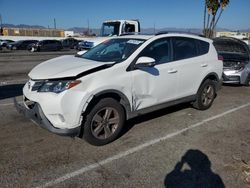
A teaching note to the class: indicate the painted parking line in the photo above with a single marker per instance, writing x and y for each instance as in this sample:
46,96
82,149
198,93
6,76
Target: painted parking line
135,149
7,104
8,82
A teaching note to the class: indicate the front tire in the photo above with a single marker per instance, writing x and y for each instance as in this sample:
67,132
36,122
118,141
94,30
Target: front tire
104,122
205,95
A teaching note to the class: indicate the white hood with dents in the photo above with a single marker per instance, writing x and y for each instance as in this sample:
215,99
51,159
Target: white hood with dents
63,66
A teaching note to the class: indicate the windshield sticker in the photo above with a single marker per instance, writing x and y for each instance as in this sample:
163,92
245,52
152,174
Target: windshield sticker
136,42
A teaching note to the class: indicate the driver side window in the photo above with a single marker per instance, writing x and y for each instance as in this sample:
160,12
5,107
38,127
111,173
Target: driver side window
159,50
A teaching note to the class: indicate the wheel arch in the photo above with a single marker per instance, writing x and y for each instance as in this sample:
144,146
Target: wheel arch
110,93
211,76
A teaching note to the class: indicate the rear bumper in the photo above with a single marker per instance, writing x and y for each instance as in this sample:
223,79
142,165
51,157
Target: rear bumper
36,115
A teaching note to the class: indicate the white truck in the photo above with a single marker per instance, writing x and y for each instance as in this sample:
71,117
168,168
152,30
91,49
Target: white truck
111,28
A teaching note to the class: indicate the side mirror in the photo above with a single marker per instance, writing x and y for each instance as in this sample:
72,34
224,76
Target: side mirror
145,62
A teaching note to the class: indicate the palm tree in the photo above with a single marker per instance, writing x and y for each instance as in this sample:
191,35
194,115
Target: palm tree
211,9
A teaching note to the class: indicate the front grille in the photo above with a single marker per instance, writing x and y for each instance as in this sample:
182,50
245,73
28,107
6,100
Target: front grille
231,78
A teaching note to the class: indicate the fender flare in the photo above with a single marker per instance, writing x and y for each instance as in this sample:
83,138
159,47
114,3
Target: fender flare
105,93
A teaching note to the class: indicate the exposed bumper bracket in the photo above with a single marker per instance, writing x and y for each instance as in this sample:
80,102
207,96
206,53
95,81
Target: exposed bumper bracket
36,114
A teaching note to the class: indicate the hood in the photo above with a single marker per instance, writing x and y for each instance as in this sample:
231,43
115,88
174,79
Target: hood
63,66
231,48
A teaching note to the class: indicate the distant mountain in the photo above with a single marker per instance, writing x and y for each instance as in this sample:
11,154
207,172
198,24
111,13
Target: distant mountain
171,29
143,30
245,30
24,26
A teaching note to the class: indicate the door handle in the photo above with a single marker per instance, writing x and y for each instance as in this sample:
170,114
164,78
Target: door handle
204,65
172,71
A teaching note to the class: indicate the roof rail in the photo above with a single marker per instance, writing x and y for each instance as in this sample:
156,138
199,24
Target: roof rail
135,33
130,33
179,32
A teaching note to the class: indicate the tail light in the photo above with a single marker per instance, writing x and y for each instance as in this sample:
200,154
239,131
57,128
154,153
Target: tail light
220,58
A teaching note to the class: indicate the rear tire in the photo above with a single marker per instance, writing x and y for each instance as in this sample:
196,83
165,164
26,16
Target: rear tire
104,122
205,95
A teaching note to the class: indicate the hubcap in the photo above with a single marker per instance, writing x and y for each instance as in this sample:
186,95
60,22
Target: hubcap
105,123
207,95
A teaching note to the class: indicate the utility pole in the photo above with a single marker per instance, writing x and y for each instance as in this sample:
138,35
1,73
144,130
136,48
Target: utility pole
1,26
88,26
154,27
1,21
54,23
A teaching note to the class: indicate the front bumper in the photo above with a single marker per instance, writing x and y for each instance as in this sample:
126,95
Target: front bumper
235,77
36,114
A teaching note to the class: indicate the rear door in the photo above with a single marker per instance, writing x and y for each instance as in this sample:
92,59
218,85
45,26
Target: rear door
191,63
45,45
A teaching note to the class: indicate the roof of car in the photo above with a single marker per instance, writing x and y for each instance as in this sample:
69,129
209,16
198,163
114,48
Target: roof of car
146,37
137,36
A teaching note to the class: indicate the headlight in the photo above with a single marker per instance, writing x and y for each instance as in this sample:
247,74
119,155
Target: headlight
58,86
239,66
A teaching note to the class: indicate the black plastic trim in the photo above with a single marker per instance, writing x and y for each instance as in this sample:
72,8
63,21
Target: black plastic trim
36,114
190,98
124,100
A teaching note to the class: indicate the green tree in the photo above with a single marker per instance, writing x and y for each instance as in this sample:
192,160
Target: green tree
213,10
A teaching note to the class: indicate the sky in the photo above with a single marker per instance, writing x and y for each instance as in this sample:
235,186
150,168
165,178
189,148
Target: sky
161,13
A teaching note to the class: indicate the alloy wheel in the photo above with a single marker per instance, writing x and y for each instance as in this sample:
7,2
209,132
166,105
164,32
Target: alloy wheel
207,95
105,123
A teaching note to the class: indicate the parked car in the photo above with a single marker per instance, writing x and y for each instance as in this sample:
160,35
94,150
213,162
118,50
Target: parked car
4,43
236,64
122,78
21,44
69,43
47,45
77,46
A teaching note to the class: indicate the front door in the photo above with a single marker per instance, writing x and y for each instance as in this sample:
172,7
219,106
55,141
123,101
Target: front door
158,84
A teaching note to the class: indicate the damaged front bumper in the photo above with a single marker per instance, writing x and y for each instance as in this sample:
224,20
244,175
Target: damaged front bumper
36,115
237,77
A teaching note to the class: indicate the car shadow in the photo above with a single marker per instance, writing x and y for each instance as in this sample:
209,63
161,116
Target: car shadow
232,85
193,170
9,91
129,124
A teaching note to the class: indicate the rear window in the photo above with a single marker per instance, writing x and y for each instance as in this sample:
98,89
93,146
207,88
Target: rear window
203,47
184,48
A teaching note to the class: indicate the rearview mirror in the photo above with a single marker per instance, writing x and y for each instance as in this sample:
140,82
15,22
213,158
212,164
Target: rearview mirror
145,62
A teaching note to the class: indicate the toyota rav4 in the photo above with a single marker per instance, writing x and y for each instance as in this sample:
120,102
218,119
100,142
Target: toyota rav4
92,95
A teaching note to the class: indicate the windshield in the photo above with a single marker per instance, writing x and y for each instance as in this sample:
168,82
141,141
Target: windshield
113,50
110,29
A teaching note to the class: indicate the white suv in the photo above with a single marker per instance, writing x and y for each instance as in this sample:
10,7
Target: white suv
92,95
